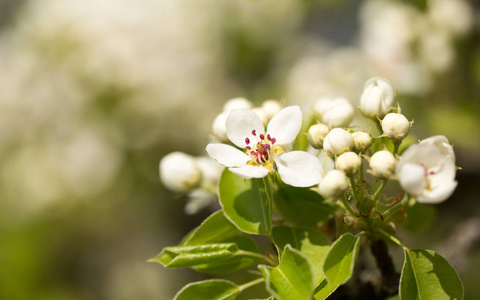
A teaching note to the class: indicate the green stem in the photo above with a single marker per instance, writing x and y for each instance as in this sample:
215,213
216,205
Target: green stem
354,189
390,213
302,142
390,237
250,284
347,206
396,146
379,190
257,255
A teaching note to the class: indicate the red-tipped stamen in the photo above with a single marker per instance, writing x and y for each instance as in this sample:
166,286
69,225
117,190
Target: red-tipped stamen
247,141
247,148
262,137
274,140
269,137
254,132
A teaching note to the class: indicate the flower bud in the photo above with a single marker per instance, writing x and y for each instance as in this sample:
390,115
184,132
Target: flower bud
361,141
219,127
316,134
333,185
237,103
348,162
336,112
382,164
262,115
271,107
179,172
377,98
395,126
338,141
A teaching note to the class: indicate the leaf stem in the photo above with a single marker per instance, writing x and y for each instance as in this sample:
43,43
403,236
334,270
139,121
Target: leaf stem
392,211
257,255
347,206
390,237
251,283
379,190
354,189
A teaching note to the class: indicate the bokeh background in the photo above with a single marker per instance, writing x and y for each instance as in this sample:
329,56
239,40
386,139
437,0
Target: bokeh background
94,93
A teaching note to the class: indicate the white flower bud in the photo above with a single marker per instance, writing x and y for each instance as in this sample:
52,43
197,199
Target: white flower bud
348,162
271,107
316,134
179,172
395,126
361,141
336,112
262,115
237,103
377,98
333,185
382,164
338,141
219,127
211,170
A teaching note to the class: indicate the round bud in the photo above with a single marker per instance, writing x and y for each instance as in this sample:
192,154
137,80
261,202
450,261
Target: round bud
262,115
219,127
382,164
333,185
179,172
336,112
316,134
237,103
361,141
395,126
338,141
271,107
348,162
377,98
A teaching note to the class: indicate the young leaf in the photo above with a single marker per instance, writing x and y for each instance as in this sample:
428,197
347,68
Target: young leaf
245,203
309,242
427,275
189,256
292,279
303,206
216,289
338,264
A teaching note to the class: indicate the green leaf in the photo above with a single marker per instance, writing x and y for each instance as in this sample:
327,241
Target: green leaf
419,217
245,203
302,206
292,279
427,275
309,242
189,256
216,289
339,263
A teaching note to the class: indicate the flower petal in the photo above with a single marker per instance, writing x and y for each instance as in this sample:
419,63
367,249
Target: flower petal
240,123
298,168
285,125
227,155
412,178
438,194
250,171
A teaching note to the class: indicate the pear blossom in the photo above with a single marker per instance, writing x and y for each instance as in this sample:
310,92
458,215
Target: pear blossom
348,162
265,151
395,126
426,172
333,185
377,98
361,141
382,164
179,172
338,141
316,134
442,144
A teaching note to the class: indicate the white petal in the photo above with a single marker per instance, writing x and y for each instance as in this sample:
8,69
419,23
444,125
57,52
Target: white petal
227,155
298,168
439,194
285,125
412,178
250,171
240,123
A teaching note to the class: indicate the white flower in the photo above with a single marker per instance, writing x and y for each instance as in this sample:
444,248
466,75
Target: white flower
427,173
333,185
237,103
377,98
265,150
361,141
336,112
348,162
395,126
179,172
382,164
316,134
338,141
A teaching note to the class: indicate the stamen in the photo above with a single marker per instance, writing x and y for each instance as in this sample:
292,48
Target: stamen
269,137
274,140
247,141
262,137
247,148
254,132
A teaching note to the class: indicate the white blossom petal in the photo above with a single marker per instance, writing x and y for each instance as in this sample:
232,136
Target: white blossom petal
438,194
442,144
285,125
240,123
298,168
250,171
412,178
227,155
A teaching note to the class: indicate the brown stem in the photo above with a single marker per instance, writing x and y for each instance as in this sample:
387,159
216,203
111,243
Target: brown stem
390,278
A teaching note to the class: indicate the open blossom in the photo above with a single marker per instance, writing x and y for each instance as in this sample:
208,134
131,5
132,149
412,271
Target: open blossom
265,151
426,171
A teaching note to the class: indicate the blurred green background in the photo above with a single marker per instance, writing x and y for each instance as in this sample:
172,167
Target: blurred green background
94,93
